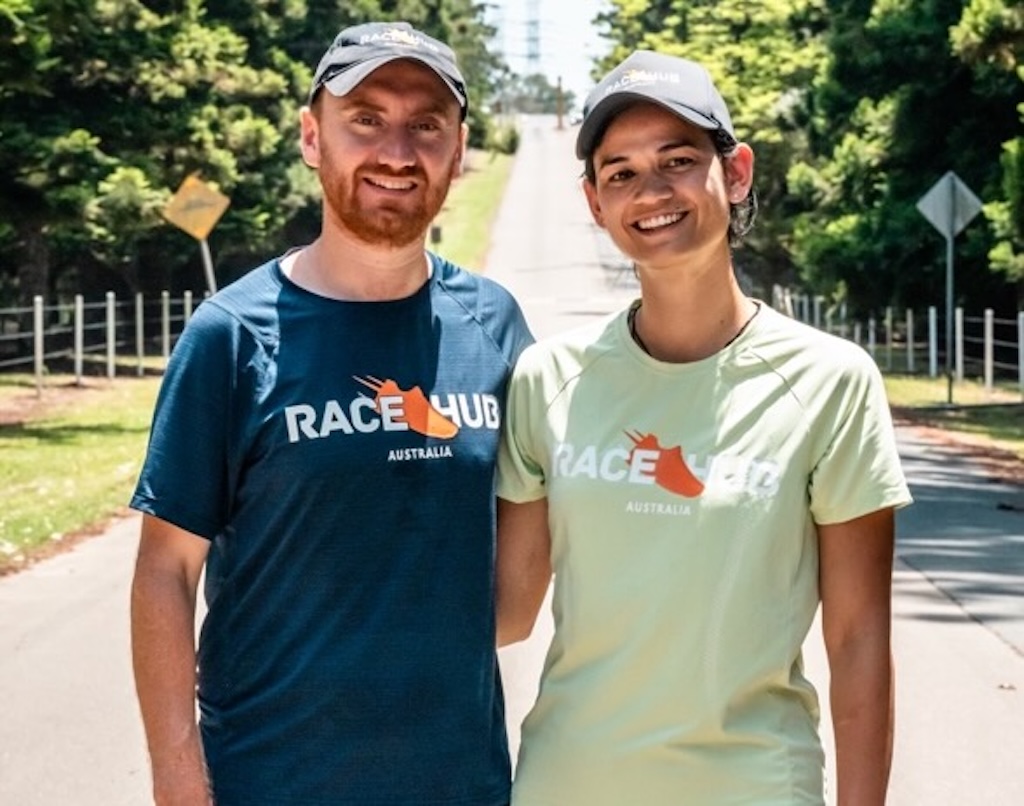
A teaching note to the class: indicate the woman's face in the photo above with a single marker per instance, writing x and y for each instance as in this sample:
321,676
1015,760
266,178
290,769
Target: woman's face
662,191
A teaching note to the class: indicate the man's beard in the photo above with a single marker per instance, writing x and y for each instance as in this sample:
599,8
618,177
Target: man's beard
386,226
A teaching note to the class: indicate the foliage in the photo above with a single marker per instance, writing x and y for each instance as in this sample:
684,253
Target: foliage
533,95
854,109
107,105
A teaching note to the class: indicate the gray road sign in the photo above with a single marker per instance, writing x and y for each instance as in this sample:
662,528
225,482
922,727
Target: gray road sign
950,205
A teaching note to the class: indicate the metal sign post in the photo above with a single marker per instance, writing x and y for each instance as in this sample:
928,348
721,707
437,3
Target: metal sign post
949,206
196,208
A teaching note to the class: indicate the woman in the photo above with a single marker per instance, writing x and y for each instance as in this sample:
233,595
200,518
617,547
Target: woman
699,472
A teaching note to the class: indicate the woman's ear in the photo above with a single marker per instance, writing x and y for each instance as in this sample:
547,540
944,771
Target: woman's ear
595,206
739,172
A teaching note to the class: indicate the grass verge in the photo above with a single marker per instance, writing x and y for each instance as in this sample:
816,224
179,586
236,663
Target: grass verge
71,455
70,458
996,416
472,205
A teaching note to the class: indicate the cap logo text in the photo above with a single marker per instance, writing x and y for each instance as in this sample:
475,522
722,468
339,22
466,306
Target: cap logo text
398,37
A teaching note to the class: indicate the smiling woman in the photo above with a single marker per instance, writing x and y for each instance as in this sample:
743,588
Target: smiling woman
698,472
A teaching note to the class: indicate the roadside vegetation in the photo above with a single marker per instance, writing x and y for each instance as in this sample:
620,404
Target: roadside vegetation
72,453
70,458
995,417
465,221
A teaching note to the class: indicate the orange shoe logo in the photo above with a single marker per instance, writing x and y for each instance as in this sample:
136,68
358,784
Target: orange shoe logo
414,409
670,470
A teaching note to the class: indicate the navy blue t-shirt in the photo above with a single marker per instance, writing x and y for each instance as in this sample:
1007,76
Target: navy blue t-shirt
340,458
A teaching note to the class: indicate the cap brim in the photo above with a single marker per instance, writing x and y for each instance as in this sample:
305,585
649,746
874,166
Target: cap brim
597,120
347,80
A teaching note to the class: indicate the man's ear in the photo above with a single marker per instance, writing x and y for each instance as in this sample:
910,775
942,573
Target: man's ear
309,137
460,152
595,206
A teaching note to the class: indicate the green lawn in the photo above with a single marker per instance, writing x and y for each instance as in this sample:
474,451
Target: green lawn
70,457
996,415
471,207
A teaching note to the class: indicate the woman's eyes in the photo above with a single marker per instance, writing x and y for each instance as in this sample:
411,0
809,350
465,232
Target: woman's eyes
669,163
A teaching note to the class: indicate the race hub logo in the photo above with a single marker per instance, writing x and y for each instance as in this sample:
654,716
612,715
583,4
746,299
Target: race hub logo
648,463
666,466
392,408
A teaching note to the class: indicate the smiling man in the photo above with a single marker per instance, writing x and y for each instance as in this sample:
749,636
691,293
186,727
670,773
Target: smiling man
324,447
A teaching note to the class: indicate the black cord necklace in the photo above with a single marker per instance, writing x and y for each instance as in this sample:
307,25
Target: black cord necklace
635,307
631,321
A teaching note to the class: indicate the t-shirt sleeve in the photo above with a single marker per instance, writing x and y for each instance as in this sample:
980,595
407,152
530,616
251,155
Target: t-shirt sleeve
521,474
184,478
858,470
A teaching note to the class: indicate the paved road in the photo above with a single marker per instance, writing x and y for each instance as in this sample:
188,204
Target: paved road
69,729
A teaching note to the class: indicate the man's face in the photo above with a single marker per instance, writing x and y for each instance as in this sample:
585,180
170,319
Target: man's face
386,153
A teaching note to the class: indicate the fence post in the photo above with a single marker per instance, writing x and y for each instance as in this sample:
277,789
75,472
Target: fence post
79,337
187,304
1020,352
111,333
888,338
933,342
140,333
958,326
817,312
37,341
165,324
872,335
989,351
910,341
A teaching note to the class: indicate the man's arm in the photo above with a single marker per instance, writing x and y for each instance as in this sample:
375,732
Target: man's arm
523,568
856,599
163,610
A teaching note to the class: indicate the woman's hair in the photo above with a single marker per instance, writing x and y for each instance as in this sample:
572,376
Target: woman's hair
741,213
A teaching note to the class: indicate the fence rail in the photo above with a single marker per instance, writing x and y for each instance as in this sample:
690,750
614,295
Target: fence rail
909,341
32,338
915,342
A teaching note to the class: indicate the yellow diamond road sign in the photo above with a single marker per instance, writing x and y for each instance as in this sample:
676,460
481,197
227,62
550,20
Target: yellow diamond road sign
196,208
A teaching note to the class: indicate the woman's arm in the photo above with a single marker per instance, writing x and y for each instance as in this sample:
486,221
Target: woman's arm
856,598
523,567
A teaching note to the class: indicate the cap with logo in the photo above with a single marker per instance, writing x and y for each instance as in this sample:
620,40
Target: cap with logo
358,51
682,87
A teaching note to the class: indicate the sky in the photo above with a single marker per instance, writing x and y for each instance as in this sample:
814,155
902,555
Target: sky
568,41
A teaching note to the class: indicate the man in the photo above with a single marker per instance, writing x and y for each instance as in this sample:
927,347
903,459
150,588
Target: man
324,447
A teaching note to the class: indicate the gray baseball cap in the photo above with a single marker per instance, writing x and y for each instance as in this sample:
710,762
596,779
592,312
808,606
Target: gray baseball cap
682,87
358,51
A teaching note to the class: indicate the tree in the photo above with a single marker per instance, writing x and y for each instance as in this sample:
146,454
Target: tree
765,58
896,111
107,105
855,108
990,36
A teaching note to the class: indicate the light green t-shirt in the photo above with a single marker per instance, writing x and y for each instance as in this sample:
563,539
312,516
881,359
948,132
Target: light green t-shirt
683,500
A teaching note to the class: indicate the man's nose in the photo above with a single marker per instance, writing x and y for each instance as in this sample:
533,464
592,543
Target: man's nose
397,149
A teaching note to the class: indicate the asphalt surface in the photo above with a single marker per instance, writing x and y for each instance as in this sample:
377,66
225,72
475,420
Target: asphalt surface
69,728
